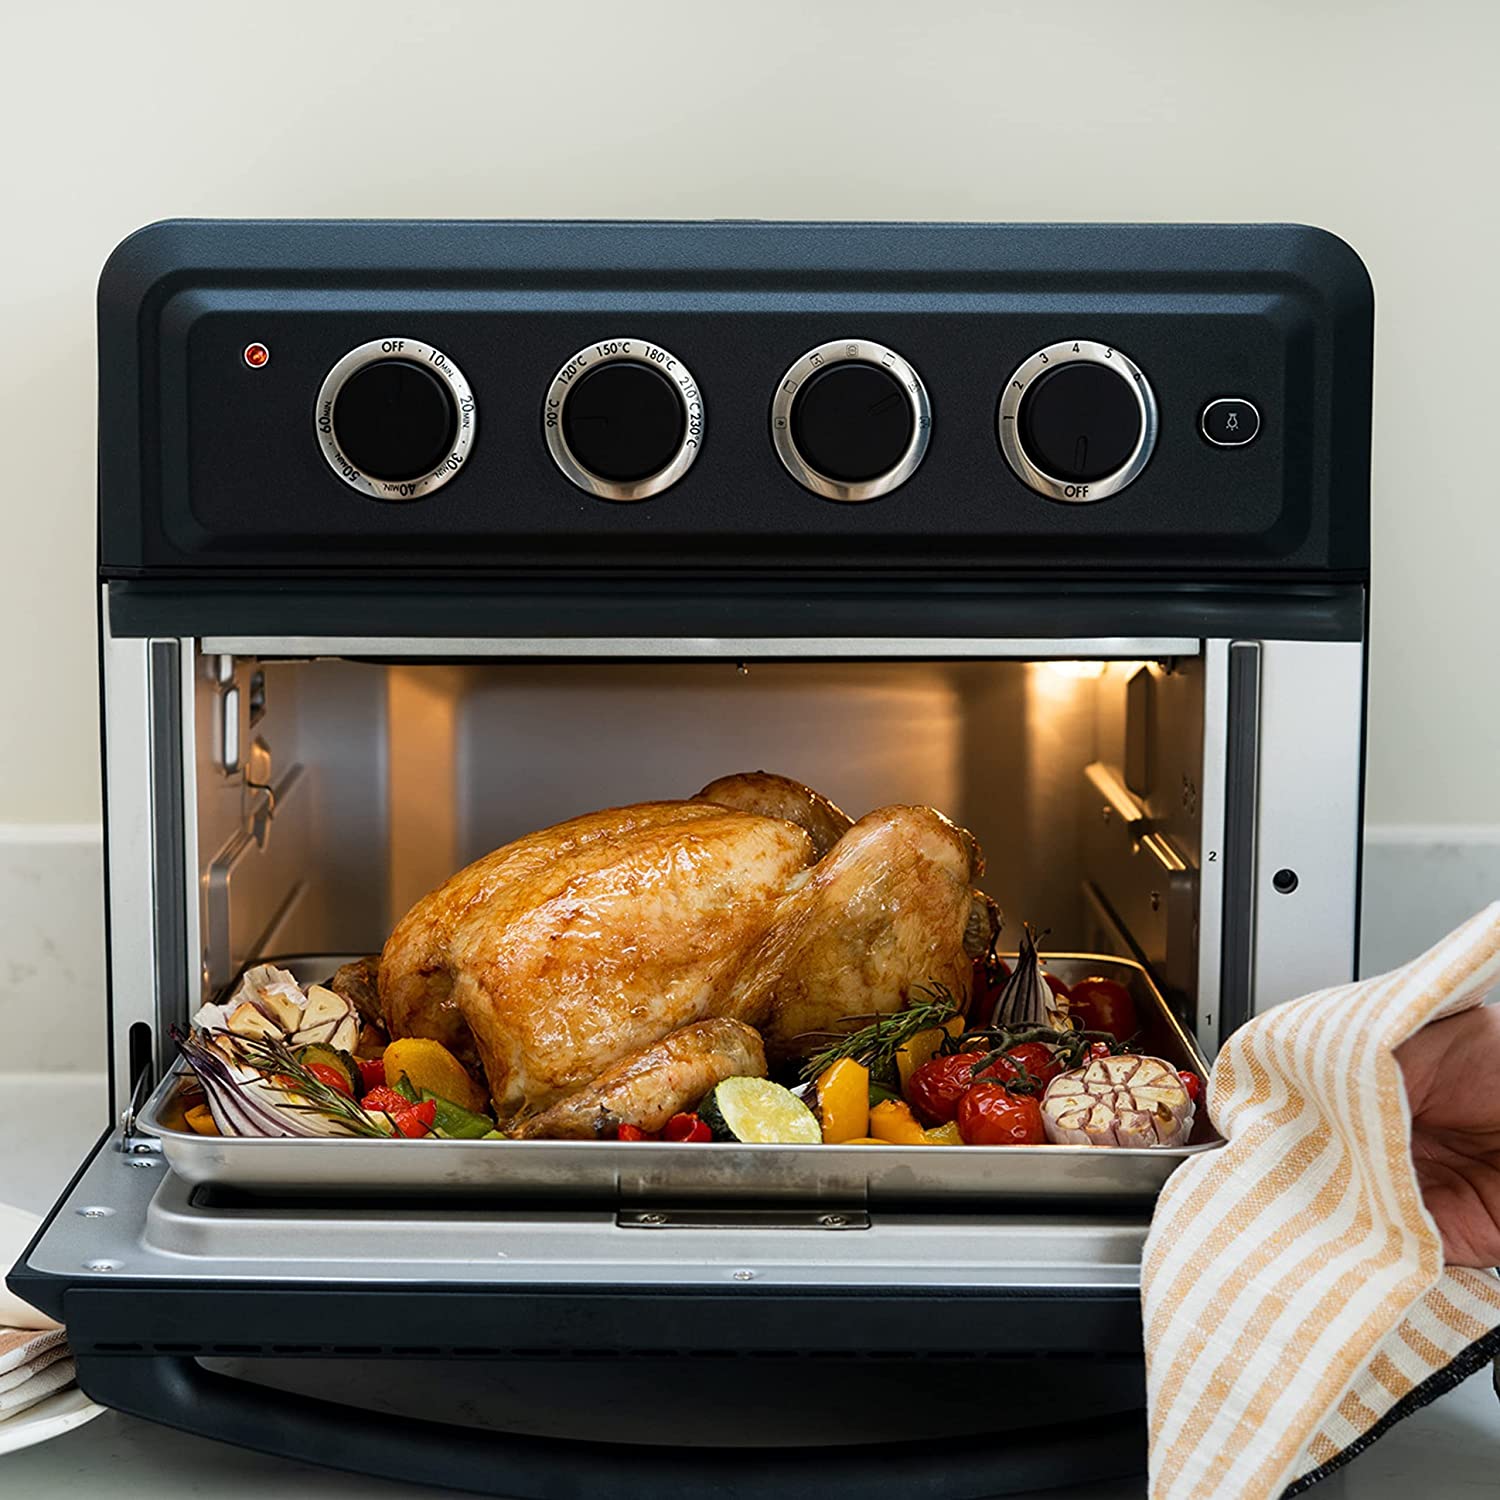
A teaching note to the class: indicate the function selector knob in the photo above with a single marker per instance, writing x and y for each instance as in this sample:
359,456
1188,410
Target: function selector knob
395,418
1077,421
624,419
850,420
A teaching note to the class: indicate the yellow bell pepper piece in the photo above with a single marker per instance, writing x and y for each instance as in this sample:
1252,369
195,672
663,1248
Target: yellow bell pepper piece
923,1047
865,1140
894,1122
432,1069
844,1101
200,1119
943,1135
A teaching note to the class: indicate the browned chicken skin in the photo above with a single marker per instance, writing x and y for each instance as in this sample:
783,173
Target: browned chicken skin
568,959
650,1086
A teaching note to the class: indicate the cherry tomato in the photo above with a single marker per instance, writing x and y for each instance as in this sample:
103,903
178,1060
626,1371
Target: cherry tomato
1192,1083
333,1077
990,1115
987,986
1058,987
1104,1005
936,1087
686,1127
1037,1058
1098,1049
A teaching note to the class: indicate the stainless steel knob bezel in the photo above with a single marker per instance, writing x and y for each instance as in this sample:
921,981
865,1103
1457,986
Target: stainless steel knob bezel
414,352
641,352
1075,351
861,351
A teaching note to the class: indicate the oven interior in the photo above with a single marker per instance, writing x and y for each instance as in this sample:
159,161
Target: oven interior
327,795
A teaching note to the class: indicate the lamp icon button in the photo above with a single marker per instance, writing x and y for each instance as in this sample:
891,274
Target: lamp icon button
1230,422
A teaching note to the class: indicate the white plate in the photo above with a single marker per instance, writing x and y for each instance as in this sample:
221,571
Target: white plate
59,1413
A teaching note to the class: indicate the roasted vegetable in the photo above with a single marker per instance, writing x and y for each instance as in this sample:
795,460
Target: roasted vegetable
686,1129
991,1115
876,1044
433,1069
340,1062
924,1046
894,1122
1028,999
843,1093
200,1119
1119,1101
937,1086
256,1086
760,1112
1104,1005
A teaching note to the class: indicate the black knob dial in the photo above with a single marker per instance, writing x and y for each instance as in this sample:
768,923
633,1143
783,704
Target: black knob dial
623,421
1079,422
394,420
851,421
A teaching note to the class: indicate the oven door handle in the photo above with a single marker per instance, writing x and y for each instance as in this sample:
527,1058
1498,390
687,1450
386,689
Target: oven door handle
180,1393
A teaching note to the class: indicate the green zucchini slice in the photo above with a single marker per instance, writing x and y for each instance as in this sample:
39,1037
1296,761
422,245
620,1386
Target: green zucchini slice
759,1112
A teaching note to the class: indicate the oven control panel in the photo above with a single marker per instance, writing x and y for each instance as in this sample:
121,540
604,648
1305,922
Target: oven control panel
883,398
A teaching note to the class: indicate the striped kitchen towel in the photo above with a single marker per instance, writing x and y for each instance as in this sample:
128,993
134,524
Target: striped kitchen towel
1295,1296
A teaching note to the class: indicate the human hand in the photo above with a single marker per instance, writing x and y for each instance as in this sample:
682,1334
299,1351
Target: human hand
1452,1074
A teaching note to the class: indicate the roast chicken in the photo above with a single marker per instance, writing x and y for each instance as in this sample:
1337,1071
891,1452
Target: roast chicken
617,966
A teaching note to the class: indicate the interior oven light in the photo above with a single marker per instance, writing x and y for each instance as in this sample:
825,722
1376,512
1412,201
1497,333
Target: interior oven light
1079,668
257,355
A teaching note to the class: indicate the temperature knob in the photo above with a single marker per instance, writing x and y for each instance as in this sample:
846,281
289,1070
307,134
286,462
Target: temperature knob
395,419
850,420
1077,421
624,419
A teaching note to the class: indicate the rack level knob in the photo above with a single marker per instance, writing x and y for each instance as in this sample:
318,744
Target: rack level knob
1077,421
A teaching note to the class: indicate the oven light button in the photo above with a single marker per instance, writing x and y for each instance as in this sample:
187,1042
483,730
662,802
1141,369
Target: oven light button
395,419
1230,422
623,419
1077,421
850,420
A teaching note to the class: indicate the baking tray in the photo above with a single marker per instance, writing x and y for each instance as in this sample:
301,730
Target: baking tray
665,1172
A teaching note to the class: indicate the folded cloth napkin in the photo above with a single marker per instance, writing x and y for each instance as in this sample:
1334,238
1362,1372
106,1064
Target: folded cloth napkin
32,1366
1295,1298
34,1358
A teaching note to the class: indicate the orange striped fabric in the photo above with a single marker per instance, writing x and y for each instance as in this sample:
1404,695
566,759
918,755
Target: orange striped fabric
1293,1286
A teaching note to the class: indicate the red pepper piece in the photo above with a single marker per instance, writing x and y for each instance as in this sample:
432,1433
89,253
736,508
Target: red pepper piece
333,1077
686,1127
411,1120
630,1133
371,1072
1192,1083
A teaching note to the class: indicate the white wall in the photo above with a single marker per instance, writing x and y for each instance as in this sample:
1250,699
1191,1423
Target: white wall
1376,120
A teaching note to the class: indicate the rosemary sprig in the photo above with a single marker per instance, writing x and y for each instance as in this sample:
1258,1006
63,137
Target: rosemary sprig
876,1045
275,1062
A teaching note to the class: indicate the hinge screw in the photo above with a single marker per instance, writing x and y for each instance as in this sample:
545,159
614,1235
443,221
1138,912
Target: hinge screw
744,1275
650,1218
833,1221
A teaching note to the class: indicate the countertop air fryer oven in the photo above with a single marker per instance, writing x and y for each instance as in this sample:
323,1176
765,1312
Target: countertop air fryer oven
416,537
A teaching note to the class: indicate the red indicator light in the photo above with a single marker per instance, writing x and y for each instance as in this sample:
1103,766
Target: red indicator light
257,355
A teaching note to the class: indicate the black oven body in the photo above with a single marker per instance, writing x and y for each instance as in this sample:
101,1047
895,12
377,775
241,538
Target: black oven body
221,517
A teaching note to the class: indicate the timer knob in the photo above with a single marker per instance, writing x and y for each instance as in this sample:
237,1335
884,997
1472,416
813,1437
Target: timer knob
850,420
1077,421
623,419
395,418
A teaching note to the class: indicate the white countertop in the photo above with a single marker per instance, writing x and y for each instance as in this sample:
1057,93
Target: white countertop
1448,1451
